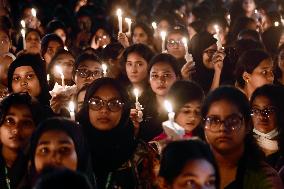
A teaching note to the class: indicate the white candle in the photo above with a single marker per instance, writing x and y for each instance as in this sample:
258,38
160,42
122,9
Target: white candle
59,70
72,110
136,93
171,114
23,32
104,67
154,25
184,40
129,22
23,23
33,12
218,37
48,78
276,24
119,17
163,36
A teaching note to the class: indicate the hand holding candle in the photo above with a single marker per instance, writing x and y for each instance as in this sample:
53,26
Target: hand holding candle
163,36
119,17
59,70
72,110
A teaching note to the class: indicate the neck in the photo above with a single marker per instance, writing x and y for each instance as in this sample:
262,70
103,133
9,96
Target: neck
248,91
160,102
9,155
229,159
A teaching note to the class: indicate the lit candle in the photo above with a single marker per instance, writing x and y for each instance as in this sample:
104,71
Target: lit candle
136,93
282,20
119,17
184,40
229,19
169,108
218,37
23,24
48,78
104,67
276,24
23,32
163,36
72,110
154,25
59,70
33,12
129,22
138,106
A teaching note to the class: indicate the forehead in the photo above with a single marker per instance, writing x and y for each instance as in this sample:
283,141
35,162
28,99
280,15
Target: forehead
65,56
101,32
175,36
107,92
223,108
89,64
53,44
19,109
3,34
162,67
265,63
263,100
193,104
55,135
138,29
33,34
22,69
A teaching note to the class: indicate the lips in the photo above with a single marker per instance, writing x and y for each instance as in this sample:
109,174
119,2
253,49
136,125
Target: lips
161,87
103,120
223,139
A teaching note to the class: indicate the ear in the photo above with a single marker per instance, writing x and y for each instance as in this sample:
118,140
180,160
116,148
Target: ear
246,76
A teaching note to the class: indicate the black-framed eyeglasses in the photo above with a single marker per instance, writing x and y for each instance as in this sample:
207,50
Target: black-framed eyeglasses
266,112
84,73
172,43
113,105
231,123
210,52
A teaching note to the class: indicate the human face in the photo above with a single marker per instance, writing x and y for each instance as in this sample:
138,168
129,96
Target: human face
226,140
139,36
175,45
162,76
261,75
5,42
189,116
102,37
17,127
66,62
80,100
25,80
136,68
163,25
52,47
261,121
248,5
61,33
4,66
208,55
196,174
88,65
104,119
55,149
281,61
33,43
85,23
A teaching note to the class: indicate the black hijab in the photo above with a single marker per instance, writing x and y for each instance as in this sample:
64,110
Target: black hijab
37,64
109,149
197,45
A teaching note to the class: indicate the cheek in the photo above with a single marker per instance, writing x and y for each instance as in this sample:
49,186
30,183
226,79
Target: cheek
39,163
70,161
27,132
92,116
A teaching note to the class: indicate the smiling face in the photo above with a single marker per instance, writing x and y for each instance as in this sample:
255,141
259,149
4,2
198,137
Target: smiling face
225,140
197,173
136,68
104,119
162,76
55,149
189,116
17,127
25,80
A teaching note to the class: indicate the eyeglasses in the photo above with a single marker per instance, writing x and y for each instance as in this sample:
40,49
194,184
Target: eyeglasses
97,104
210,52
172,43
163,77
266,112
231,123
84,73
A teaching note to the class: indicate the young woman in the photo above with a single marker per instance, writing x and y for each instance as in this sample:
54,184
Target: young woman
254,69
27,74
33,41
188,164
58,143
19,116
267,109
227,128
119,160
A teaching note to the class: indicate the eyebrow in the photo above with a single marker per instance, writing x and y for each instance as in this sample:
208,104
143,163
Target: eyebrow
193,175
26,72
25,115
45,142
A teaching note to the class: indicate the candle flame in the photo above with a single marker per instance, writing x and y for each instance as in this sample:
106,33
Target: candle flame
104,67
136,92
59,70
168,106
71,106
276,24
216,27
48,77
154,25
184,40
128,20
119,12
23,23
163,35
33,12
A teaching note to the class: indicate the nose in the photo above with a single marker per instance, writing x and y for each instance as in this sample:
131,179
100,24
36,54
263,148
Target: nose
134,68
55,159
270,77
24,82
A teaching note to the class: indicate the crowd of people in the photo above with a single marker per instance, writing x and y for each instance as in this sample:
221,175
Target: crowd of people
166,94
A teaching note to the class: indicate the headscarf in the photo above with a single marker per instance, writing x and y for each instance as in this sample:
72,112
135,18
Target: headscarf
37,65
109,149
